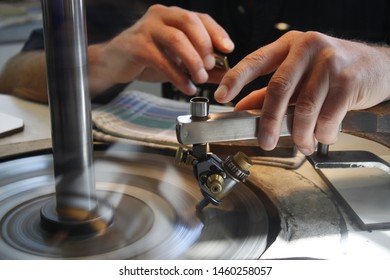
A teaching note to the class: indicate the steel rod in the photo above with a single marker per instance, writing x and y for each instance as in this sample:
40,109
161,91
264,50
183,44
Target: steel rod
70,108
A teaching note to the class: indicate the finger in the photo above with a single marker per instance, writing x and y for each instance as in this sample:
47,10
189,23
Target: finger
308,105
164,64
280,89
333,112
194,28
219,37
254,100
260,62
175,43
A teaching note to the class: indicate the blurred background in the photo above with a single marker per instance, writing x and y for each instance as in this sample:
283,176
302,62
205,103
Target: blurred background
17,19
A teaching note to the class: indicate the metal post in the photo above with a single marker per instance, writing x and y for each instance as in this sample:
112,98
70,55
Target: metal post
70,108
322,150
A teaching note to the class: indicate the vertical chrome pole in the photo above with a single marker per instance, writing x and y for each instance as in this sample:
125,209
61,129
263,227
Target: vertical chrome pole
70,108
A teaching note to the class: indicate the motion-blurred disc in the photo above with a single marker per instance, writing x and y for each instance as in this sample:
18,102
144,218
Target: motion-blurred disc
155,216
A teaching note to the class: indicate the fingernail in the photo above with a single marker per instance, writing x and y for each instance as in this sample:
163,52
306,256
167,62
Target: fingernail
221,93
228,44
202,75
267,142
209,61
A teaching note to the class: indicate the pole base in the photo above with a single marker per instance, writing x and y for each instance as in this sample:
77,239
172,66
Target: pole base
77,222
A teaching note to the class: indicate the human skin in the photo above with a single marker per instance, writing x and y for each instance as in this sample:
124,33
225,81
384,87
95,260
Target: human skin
324,77
166,44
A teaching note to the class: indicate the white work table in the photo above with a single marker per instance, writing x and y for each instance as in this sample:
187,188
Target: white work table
36,131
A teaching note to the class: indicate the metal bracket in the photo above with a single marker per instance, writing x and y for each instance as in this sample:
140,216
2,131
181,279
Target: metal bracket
349,159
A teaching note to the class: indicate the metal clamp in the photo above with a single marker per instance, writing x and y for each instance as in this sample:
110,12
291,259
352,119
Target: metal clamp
201,128
324,159
216,177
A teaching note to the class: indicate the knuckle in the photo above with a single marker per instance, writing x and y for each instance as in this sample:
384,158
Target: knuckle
348,78
175,37
236,76
205,16
256,58
290,36
329,58
313,38
250,64
189,17
326,119
156,8
204,46
231,77
306,107
269,117
236,72
279,85
291,33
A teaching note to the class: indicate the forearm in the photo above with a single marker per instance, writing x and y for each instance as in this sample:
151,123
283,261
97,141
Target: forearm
25,76
184,40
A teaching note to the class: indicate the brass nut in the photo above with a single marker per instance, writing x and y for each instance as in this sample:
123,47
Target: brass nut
214,183
242,161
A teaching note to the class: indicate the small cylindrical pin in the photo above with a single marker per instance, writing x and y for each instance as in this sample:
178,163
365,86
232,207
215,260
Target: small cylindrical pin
199,107
322,150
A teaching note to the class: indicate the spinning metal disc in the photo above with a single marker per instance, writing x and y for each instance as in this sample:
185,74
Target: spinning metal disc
155,216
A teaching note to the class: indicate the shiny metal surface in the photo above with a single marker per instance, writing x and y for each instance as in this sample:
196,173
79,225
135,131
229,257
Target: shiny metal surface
349,159
69,99
155,217
223,127
372,123
199,107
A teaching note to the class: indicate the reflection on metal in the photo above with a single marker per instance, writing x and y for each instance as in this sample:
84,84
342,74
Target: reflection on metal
233,126
221,62
225,126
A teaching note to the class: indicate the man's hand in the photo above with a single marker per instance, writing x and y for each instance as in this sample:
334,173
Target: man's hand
324,76
166,44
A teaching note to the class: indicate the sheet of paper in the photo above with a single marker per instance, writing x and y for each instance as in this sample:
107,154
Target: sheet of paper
9,124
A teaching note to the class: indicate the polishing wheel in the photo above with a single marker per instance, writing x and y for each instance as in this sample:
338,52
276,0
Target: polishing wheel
154,216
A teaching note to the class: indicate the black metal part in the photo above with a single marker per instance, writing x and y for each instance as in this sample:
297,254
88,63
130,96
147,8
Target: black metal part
322,150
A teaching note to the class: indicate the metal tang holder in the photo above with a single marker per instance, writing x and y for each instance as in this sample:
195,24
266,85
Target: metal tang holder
216,177
201,128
